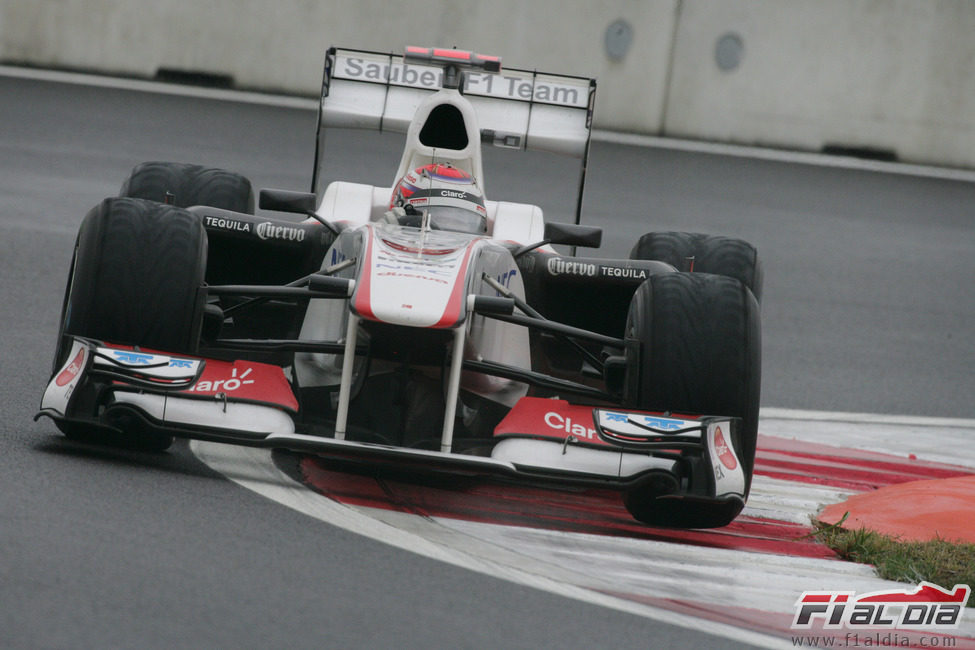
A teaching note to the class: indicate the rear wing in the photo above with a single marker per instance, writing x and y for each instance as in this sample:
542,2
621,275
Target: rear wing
516,109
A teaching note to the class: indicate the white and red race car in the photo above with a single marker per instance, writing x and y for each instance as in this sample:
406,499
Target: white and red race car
419,325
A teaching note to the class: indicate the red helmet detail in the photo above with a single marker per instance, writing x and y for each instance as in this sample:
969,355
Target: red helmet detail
449,194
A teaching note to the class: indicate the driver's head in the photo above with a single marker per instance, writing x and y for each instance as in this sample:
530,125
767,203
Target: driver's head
450,196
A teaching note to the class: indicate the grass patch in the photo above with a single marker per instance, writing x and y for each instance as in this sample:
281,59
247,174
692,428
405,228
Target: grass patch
944,563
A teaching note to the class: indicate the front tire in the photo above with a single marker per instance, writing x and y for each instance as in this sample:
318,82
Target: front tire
136,279
700,343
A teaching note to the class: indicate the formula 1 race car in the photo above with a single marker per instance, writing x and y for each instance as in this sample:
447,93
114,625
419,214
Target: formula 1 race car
419,325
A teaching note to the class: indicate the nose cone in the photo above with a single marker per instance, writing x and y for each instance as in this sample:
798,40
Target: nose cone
413,277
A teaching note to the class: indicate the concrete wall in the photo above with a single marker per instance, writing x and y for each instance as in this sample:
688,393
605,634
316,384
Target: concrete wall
280,44
884,74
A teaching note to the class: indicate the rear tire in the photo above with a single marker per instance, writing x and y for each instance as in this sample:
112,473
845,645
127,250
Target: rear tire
688,251
135,279
190,185
700,344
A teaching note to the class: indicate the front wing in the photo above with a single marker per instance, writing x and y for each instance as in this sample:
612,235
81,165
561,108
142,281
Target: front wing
253,404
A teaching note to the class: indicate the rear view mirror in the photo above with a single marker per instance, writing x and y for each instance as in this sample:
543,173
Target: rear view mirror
287,201
568,234
573,235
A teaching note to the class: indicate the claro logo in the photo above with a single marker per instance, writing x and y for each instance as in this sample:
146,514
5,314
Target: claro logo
558,421
268,230
228,384
725,455
71,371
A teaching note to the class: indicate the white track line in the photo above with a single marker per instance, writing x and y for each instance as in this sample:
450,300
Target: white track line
255,470
582,566
941,440
866,418
675,144
789,501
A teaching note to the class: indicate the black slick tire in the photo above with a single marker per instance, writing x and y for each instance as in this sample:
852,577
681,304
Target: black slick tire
700,342
136,279
700,253
184,185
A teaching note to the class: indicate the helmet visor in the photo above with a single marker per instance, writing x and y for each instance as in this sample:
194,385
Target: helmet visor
448,217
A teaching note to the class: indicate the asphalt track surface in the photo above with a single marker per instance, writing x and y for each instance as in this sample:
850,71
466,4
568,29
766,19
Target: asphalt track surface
868,307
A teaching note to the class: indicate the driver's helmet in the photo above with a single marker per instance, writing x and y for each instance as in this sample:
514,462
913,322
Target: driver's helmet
450,196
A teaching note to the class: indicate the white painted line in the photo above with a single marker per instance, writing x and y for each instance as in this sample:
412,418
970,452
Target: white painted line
574,565
940,440
582,566
599,135
255,470
712,576
865,418
790,501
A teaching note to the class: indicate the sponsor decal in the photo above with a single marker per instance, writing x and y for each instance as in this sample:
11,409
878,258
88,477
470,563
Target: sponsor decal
131,358
558,266
398,74
425,250
419,266
418,269
725,455
554,418
729,478
504,279
149,365
645,430
653,421
416,250
622,272
550,418
561,422
134,358
268,230
510,85
245,381
568,266
927,607
223,385
226,224
67,375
